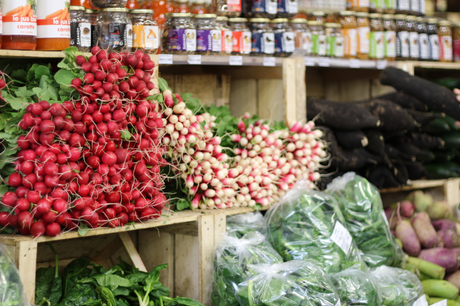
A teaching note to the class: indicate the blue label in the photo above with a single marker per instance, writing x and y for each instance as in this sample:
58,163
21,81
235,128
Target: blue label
256,46
287,6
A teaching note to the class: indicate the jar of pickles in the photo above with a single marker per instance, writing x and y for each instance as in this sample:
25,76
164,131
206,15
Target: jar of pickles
284,37
226,34
433,38
263,38
389,28
377,45
318,38
363,31
92,15
334,40
423,42
242,42
179,35
80,29
260,8
229,8
411,24
208,36
349,32
145,30
445,41
402,38
302,35
358,5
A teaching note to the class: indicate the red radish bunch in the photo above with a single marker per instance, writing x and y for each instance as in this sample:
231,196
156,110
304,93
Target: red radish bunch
94,161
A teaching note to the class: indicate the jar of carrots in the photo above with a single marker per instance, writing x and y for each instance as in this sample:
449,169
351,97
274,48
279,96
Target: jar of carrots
19,24
53,32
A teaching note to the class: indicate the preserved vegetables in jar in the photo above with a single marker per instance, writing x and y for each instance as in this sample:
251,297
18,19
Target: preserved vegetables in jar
411,23
91,15
284,37
358,5
433,38
181,6
229,8
263,38
199,7
132,5
179,36
302,35
19,25
318,38
53,25
403,6
456,42
423,42
363,31
226,34
389,27
241,36
208,37
349,32
261,8
80,29
334,38
377,44
402,38
145,30
445,41
287,8
113,28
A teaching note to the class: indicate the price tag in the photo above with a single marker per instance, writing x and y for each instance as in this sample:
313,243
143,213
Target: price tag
382,64
269,61
235,60
441,303
385,218
194,59
165,59
421,301
341,237
355,63
309,61
324,62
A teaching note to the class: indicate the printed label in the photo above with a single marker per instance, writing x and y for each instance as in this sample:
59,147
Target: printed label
422,7
182,40
330,45
256,46
94,35
53,19
19,18
402,44
242,42
423,46
288,6
434,47
227,41
216,40
1,23
268,43
414,47
363,40
341,237
403,5
414,5
166,59
457,50
376,4
80,35
235,60
194,59
117,35
203,40
350,42
190,40
377,45
269,61
318,44
234,5
129,35
338,47
357,3
391,4
421,301
145,37
445,44
307,43
390,44
265,6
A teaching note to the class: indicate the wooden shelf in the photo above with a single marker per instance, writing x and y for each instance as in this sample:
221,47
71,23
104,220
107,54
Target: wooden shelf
31,54
219,60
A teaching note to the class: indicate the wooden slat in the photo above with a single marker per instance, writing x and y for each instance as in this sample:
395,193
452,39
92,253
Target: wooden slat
289,88
270,99
187,269
132,252
301,90
26,261
206,257
243,97
414,185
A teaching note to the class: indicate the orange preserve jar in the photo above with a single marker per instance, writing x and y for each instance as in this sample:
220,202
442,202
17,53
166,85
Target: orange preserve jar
181,6
85,3
53,25
199,7
160,8
19,25
132,5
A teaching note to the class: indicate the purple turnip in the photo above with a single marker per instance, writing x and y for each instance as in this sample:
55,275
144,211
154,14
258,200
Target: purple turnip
446,258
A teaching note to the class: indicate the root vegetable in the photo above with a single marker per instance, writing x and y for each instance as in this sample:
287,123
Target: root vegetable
440,288
424,230
439,210
447,230
405,232
428,268
446,258
454,278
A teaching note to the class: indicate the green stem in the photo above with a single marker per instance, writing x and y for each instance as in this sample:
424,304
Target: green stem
56,271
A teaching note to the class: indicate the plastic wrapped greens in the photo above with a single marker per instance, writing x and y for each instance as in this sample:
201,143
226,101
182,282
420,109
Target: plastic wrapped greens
291,283
231,265
356,288
11,289
362,208
244,223
307,225
397,286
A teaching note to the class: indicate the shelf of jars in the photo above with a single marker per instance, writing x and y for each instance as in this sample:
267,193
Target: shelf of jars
219,60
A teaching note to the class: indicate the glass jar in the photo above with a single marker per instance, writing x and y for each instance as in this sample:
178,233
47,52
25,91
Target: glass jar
229,8
208,36
456,42
376,6
92,16
132,5
107,3
358,5
179,35
145,30
160,8
260,8
433,38
199,7
334,40
53,25
445,41
421,7
302,35
86,3
19,33
284,37
423,42
403,6
363,31
377,45
114,28
350,34
402,38
287,8
389,28
318,38
226,34
389,6
317,16
414,7
411,23
181,6
263,38
241,36
80,29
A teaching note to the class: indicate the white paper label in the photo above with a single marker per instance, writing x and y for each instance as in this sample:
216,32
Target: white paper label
390,44
235,60
129,35
424,46
190,40
421,301
165,59
322,45
85,35
382,65
434,47
309,61
323,62
339,52
227,43
307,44
52,19
440,303
288,41
291,6
216,40
341,237
19,18
271,6
355,63
363,40
269,61
268,43
414,48
194,59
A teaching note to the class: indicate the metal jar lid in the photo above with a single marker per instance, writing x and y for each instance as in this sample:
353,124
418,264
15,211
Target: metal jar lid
141,11
298,20
259,20
238,19
76,8
204,16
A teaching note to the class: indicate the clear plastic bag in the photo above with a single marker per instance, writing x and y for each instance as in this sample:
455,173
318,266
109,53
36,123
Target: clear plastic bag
11,289
294,282
233,258
243,223
362,209
356,288
305,225
397,286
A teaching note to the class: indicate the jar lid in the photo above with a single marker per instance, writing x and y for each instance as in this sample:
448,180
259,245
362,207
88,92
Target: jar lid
141,11
421,19
115,9
76,8
375,15
433,20
400,16
411,18
204,16
298,20
279,20
333,25
181,1
346,13
222,18
445,23
259,20
199,1
388,16
314,23
178,15
238,19
91,11
362,14
318,13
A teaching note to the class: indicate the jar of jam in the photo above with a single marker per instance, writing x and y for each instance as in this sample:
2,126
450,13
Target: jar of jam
260,8
358,5
445,41
208,36
92,15
403,7
86,3
53,20
181,6
287,8
411,23
376,6
377,44
302,35
363,31
113,28
229,8
133,5
350,34
199,7
389,6
242,41
389,28
456,42
145,30
423,42
284,37
318,16
263,38
80,29
179,35
334,40
433,38
226,35
19,25
402,38
318,38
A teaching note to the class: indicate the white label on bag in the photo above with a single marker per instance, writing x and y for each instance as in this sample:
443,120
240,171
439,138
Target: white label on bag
441,303
341,237
421,301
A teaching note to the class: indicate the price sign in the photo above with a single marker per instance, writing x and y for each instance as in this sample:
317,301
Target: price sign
324,62
194,59
165,59
355,63
269,61
341,237
235,60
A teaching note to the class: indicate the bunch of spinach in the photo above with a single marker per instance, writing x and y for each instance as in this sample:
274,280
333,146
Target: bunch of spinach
233,259
11,289
362,208
89,284
241,224
290,283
